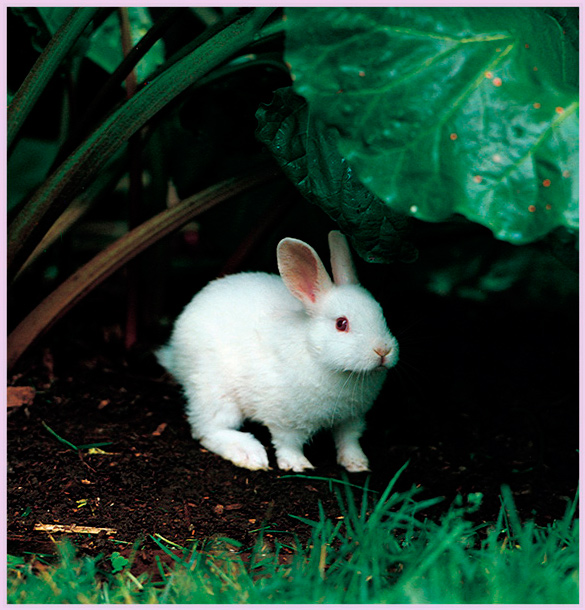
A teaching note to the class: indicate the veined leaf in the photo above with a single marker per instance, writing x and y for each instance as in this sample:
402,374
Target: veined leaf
448,110
306,150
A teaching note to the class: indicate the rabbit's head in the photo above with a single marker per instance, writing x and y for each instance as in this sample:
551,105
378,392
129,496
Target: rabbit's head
346,326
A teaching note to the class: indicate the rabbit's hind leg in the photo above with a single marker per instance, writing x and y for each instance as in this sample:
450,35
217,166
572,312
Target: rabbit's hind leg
217,430
240,448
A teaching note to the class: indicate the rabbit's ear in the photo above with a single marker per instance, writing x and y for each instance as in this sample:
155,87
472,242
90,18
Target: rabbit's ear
302,271
341,261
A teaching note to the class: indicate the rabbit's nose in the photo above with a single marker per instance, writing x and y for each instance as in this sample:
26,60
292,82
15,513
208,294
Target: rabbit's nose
383,351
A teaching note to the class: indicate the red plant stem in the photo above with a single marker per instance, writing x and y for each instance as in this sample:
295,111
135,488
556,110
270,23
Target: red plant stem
63,185
135,192
98,102
115,256
235,261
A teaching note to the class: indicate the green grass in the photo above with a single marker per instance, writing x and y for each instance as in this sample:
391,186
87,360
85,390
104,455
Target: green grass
374,552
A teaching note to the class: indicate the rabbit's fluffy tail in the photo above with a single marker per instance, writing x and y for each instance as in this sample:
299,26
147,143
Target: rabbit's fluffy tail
164,356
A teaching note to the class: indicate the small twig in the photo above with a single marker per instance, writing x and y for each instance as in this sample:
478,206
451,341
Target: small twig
80,454
72,529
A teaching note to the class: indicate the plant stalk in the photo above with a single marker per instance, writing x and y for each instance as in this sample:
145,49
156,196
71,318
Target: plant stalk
135,194
78,169
73,289
44,69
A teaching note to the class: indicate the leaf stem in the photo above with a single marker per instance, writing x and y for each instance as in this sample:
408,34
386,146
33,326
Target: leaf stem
79,168
72,290
44,69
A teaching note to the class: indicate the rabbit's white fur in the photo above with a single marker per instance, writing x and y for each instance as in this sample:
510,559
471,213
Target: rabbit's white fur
252,346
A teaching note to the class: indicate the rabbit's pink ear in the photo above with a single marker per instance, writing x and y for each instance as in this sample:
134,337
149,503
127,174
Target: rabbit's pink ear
302,271
341,261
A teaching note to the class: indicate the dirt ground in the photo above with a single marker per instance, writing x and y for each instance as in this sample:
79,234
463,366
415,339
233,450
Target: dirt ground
480,399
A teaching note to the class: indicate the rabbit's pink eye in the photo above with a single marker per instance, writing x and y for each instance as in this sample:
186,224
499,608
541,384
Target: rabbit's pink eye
341,324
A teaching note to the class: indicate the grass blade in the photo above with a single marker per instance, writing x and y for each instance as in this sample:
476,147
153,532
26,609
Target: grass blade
60,438
328,480
441,565
179,560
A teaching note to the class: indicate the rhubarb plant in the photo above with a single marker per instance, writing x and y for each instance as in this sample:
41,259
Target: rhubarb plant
432,113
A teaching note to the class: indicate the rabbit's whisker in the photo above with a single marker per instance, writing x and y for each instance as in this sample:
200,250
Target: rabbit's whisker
338,405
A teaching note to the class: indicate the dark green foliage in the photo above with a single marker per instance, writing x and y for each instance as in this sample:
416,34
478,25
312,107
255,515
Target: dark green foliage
306,150
77,170
100,145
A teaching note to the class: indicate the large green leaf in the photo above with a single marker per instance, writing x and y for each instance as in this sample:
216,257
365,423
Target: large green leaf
306,150
448,110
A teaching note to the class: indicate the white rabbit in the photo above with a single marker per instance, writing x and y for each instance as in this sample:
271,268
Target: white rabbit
296,353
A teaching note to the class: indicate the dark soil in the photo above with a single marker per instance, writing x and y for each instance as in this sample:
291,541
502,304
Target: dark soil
484,396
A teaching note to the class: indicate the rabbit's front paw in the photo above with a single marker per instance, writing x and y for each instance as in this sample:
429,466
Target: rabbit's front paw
296,462
353,460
